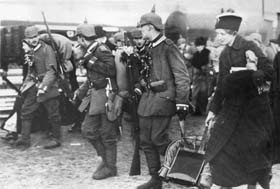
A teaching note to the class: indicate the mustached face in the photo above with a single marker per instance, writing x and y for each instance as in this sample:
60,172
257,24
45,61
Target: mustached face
78,51
139,42
34,41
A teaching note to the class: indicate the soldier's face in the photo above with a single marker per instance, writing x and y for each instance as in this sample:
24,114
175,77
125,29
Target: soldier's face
146,32
139,42
33,41
78,53
81,41
223,37
119,43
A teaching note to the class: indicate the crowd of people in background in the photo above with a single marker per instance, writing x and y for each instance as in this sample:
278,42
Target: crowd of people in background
169,77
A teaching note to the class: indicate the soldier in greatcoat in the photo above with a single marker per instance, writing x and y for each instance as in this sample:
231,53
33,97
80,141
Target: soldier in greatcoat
40,87
96,127
166,83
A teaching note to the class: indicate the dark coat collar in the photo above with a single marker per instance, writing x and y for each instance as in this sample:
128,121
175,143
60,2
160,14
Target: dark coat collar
238,42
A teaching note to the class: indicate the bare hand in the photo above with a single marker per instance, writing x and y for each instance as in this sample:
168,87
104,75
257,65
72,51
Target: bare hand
251,66
209,118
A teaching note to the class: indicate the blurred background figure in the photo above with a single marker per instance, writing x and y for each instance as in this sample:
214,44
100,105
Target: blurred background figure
186,49
119,39
200,63
257,39
272,48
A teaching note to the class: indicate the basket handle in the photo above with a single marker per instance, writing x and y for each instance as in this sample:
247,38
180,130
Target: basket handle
182,128
205,136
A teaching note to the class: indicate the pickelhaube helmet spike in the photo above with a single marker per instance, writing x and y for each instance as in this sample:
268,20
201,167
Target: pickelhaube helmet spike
153,9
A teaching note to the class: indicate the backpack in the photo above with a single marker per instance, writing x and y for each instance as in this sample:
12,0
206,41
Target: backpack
63,47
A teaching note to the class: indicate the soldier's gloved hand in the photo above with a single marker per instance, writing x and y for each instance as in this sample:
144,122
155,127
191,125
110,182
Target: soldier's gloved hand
137,94
258,77
182,111
88,64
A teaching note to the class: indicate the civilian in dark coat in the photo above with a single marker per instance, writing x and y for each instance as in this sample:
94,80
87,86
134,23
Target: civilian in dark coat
200,64
275,94
239,148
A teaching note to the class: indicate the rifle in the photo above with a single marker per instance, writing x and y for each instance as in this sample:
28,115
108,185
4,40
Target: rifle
63,84
135,168
11,85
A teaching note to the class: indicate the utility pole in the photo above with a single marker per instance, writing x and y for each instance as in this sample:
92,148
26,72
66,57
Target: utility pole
263,8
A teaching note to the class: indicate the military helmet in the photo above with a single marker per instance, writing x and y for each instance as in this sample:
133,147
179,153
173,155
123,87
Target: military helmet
87,30
136,33
151,18
100,32
31,31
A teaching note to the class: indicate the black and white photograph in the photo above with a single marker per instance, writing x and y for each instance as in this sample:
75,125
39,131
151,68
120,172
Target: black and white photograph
140,94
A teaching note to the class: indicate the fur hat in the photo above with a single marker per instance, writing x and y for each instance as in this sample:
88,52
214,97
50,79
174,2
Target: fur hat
136,33
229,21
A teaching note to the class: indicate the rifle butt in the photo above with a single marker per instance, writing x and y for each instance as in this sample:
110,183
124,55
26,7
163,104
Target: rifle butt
135,168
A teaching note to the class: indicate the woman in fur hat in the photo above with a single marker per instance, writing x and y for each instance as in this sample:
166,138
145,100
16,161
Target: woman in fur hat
239,148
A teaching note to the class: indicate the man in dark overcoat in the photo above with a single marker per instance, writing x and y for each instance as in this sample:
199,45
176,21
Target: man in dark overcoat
166,86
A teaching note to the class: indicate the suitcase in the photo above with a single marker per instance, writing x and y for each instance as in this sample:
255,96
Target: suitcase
184,160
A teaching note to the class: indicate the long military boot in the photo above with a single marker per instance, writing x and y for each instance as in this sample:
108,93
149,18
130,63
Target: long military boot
56,134
153,161
110,169
100,150
24,140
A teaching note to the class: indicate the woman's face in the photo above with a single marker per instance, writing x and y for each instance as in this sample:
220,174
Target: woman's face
200,47
223,37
